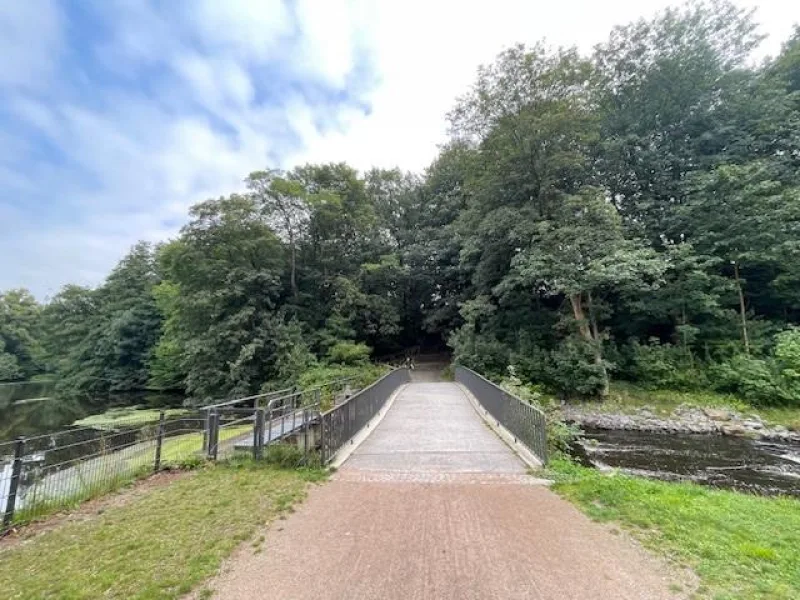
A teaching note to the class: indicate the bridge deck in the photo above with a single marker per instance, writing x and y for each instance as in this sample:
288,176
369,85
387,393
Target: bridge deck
432,429
433,506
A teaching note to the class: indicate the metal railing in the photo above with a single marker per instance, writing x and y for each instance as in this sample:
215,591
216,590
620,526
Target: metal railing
341,423
45,473
527,423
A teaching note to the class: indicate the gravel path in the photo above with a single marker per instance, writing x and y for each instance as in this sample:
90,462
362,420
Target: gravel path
434,506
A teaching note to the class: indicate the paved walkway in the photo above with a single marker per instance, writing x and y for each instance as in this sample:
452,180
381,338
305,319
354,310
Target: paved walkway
434,506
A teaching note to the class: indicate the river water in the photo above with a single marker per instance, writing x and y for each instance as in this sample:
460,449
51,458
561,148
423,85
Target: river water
761,467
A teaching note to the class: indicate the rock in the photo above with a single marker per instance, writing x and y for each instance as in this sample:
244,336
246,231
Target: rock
753,425
733,429
718,414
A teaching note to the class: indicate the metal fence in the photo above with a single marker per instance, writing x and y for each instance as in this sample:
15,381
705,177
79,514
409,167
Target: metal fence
45,473
341,423
527,423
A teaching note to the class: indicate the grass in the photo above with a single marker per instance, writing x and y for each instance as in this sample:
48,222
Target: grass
99,476
740,546
126,415
158,546
627,398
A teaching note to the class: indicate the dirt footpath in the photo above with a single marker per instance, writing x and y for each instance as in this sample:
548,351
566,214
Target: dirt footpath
433,506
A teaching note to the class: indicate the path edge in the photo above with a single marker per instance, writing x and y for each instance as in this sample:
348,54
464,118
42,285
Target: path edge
344,453
517,447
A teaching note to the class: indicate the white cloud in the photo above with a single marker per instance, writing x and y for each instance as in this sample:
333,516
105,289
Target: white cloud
228,98
30,38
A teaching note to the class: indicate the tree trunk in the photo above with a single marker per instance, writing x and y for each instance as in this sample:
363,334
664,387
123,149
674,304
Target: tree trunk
293,266
591,333
742,308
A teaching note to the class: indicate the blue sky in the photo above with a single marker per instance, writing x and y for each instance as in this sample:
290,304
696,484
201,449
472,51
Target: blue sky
116,116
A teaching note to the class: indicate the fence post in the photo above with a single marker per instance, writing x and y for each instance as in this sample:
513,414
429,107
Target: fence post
213,433
16,474
258,435
206,427
322,438
159,441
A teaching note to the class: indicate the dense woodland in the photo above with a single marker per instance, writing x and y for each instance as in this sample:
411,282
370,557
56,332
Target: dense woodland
629,214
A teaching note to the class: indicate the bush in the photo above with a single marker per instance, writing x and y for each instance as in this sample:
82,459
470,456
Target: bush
661,366
482,353
572,369
285,456
349,353
753,379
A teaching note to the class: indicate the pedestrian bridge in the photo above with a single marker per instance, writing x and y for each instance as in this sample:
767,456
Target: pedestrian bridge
434,498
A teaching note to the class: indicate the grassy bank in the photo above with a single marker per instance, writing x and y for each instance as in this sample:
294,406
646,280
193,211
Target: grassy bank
128,416
160,545
741,546
627,397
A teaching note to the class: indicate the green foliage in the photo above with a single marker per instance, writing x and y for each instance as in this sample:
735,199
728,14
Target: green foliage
572,369
285,456
664,366
349,353
360,375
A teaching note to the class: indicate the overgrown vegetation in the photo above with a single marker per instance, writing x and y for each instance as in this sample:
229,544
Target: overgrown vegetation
157,545
740,546
632,213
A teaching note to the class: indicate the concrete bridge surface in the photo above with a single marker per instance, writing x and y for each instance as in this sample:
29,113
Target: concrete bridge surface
432,505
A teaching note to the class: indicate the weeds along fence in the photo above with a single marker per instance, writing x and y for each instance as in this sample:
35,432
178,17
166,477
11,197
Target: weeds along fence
526,423
45,473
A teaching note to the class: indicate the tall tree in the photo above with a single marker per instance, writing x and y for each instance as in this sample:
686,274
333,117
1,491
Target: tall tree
285,203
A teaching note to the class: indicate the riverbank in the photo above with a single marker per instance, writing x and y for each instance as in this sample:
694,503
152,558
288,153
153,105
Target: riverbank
634,409
741,546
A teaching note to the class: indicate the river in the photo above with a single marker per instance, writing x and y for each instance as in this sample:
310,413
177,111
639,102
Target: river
740,463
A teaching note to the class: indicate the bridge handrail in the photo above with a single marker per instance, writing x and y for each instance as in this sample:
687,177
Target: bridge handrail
526,422
342,422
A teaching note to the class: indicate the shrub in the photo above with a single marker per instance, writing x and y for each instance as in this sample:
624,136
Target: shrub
349,353
572,369
482,353
285,456
753,379
661,366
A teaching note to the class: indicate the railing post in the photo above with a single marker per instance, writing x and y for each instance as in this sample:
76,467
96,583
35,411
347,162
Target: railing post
258,435
305,434
213,435
16,474
159,441
322,438
206,427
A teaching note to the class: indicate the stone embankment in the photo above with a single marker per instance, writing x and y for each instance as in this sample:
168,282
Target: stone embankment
684,419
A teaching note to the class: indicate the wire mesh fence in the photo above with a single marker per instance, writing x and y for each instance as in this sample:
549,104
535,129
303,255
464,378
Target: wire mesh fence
46,473
42,474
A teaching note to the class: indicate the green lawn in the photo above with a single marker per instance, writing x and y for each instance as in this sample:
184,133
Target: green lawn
741,546
126,415
627,397
160,545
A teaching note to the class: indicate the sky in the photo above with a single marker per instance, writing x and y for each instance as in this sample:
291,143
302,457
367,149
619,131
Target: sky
116,116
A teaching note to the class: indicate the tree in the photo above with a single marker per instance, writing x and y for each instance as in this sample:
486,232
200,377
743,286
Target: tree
226,270
581,254
285,204
20,335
